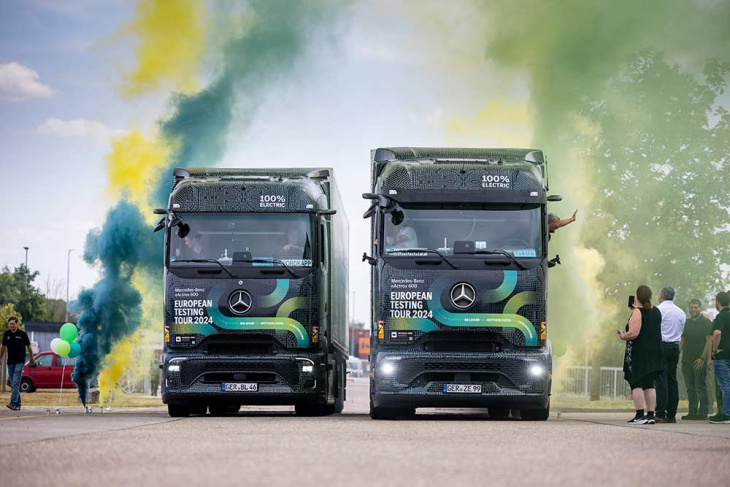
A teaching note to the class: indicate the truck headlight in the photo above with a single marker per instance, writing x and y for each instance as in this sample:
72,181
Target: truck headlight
537,370
173,368
388,368
308,369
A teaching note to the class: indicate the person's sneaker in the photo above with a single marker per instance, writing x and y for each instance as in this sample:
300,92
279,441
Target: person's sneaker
638,420
666,420
10,406
700,417
650,420
719,419
689,417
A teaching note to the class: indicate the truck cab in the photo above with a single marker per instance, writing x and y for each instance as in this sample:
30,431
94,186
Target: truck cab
459,281
255,291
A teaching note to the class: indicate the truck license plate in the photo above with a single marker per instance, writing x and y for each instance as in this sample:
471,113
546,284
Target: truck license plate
463,388
239,387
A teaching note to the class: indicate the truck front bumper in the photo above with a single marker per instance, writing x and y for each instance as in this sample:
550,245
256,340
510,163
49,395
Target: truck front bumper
415,378
280,379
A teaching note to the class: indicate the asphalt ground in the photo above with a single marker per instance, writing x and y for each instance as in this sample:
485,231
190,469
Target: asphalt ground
272,446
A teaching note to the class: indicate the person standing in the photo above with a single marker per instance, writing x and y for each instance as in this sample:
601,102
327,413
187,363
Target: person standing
721,355
697,334
667,388
644,355
16,342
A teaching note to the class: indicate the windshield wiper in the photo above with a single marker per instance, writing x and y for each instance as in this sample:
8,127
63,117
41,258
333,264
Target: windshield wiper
211,261
430,251
498,252
270,261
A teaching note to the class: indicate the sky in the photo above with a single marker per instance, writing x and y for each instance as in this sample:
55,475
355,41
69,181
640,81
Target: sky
61,104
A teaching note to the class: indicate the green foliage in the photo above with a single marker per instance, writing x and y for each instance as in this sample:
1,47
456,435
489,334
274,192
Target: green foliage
17,288
6,311
659,166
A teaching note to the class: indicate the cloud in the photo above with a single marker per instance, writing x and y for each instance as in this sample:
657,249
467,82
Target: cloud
18,82
80,127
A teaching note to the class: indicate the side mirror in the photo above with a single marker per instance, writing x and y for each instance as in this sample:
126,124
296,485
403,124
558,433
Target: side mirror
555,197
160,225
370,196
370,212
183,230
160,211
554,262
368,259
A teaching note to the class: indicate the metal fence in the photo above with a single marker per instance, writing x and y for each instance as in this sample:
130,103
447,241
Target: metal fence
578,381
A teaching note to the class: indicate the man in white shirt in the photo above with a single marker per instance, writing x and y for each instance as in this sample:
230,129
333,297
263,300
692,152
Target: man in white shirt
667,390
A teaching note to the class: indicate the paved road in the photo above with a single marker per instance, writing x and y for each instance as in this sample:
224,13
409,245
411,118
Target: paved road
145,447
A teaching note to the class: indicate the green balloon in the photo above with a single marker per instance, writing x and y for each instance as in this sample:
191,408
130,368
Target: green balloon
63,348
75,350
69,332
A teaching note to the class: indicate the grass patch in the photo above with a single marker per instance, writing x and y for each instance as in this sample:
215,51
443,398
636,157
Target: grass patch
69,397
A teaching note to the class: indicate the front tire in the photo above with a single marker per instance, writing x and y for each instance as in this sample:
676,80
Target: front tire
379,413
540,414
26,385
310,409
178,410
498,413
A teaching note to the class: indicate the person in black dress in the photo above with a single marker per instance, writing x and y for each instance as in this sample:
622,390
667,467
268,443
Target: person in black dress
644,355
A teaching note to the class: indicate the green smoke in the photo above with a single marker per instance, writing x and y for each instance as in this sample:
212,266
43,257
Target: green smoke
274,38
576,55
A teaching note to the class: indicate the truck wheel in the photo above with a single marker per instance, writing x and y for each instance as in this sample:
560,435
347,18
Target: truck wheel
390,413
540,414
26,385
223,409
178,410
498,413
199,408
311,409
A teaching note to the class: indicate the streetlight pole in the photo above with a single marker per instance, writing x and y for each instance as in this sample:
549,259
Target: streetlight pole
26,256
68,275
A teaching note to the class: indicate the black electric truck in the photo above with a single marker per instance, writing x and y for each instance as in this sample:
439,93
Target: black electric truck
459,281
255,291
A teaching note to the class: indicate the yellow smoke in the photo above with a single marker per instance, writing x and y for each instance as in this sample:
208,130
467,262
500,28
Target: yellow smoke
134,166
171,37
502,123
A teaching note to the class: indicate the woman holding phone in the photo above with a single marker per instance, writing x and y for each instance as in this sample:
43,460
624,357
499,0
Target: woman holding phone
644,355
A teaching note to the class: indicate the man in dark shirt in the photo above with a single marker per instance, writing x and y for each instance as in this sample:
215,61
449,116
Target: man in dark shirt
16,342
721,355
697,332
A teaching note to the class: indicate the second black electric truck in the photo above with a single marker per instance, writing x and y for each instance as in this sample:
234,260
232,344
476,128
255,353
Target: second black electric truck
459,281
256,289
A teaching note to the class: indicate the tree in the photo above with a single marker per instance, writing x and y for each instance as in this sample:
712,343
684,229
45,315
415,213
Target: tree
660,165
17,288
6,311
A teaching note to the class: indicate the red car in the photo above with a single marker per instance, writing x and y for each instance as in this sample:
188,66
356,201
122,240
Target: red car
47,372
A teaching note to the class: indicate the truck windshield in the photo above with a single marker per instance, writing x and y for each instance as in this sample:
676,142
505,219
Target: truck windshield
463,230
245,239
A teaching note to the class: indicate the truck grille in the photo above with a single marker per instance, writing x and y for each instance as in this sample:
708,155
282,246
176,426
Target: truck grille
190,370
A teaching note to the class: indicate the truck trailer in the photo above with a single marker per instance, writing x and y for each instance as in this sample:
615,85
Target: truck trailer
459,281
255,291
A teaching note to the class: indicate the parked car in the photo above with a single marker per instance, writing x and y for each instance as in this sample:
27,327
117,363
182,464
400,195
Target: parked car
354,367
47,372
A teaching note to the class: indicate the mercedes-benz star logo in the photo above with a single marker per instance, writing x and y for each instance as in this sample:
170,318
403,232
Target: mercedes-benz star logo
239,302
462,295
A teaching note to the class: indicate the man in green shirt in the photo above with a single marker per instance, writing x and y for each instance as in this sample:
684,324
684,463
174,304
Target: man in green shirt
697,333
721,355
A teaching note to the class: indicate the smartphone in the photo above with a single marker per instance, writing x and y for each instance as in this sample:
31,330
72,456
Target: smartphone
632,299
618,332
